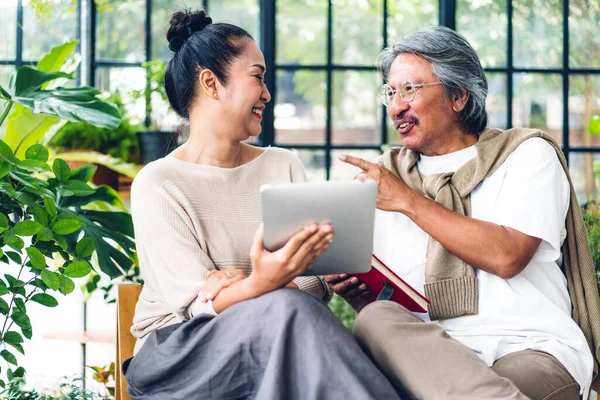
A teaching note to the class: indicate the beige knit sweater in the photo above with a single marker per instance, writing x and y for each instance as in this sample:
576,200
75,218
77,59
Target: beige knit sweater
190,219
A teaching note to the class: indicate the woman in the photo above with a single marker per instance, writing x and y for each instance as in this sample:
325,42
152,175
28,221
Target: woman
219,316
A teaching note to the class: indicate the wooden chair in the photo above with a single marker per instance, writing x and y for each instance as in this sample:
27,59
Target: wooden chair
127,297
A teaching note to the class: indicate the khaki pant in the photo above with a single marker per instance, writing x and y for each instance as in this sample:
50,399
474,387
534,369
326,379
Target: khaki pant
420,359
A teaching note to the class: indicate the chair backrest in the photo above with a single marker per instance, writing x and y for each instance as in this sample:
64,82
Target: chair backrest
127,297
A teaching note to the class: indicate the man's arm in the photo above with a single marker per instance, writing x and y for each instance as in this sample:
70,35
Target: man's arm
493,248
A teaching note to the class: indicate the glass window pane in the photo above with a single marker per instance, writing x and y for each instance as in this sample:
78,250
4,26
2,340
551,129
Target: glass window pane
409,15
39,36
163,118
5,73
341,171
495,103
538,35
584,102
357,31
301,32
356,110
300,107
537,102
243,13
584,41
125,81
121,33
161,15
8,29
484,25
584,169
314,164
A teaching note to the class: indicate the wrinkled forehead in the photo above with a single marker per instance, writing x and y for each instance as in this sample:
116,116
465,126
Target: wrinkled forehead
409,66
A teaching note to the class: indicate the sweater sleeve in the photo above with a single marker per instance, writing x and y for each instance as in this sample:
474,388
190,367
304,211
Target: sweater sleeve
172,262
314,285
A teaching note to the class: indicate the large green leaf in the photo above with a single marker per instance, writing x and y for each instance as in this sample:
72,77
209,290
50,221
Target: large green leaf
66,284
66,224
37,109
44,299
73,104
37,152
24,128
26,81
55,59
78,269
105,228
26,228
8,356
51,279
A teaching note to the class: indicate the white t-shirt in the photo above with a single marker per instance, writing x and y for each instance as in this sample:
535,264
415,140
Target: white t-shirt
529,193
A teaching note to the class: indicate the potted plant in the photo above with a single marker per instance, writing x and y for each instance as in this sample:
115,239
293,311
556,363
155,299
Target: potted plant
154,143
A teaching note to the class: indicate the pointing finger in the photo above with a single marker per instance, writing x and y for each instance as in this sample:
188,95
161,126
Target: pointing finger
357,162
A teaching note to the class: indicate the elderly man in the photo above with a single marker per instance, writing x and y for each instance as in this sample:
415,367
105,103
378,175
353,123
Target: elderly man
476,220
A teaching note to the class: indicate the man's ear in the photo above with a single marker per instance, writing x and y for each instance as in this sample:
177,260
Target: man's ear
460,101
208,83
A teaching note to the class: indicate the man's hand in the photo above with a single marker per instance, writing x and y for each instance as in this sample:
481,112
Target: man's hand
351,289
392,193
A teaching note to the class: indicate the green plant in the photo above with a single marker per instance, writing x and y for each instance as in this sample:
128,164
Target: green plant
591,219
34,102
121,142
106,376
50,214
71,388
36,105
343,311
155,74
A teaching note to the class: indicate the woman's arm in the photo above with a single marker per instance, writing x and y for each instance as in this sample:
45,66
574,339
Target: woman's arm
274,270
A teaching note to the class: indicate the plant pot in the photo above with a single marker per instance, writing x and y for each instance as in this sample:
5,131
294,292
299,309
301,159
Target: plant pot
155,145
102,176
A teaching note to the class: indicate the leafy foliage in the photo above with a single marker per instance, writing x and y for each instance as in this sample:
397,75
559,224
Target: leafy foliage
35,102
70,389
591,218
343,311
45,217
121,142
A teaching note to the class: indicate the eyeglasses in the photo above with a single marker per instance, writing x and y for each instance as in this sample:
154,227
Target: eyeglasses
408,91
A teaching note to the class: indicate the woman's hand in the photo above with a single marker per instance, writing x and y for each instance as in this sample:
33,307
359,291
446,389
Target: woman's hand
274,270
217,280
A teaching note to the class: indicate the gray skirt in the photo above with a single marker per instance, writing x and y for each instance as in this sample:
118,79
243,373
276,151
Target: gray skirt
283,345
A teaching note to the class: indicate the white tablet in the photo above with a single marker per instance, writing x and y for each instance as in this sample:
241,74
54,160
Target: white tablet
348,205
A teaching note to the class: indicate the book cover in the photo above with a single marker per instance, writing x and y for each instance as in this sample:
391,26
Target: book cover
403,293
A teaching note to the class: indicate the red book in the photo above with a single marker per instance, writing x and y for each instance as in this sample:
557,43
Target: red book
403,294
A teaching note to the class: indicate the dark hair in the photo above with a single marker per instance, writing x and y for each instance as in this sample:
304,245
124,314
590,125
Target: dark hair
198,44
454,62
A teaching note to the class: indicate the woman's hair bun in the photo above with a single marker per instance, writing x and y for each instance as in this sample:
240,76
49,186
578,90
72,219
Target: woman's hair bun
184,24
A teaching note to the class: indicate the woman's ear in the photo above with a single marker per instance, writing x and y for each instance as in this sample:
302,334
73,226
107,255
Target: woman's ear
208,83
460,101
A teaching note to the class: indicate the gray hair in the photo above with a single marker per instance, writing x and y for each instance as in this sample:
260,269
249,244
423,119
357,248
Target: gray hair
454,62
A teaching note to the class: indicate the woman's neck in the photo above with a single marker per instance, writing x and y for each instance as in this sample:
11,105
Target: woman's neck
215,153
